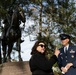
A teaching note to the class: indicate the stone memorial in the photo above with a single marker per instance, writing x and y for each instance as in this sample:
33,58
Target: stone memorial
15,68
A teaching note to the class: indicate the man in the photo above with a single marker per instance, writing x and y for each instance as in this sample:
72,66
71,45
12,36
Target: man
67,56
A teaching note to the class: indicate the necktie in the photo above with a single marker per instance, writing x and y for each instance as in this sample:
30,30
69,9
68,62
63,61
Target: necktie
65,50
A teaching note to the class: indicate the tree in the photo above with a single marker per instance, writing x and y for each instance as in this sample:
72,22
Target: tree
51,17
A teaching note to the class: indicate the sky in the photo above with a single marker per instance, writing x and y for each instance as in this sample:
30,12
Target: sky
27,44
26,48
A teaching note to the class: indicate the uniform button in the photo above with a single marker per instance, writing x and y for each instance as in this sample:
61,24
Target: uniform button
66,60
65,56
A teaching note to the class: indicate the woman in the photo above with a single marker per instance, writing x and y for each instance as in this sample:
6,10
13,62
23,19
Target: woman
39,64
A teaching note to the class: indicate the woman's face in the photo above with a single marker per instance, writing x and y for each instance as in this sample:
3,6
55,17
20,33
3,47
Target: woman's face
41,48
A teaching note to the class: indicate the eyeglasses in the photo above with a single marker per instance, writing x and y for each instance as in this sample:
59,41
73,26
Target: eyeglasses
42,45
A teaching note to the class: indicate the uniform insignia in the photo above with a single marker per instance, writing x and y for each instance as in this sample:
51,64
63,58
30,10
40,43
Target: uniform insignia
72,56
61,57
72,51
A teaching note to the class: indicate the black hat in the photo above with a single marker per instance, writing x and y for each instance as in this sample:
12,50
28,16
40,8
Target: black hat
64,36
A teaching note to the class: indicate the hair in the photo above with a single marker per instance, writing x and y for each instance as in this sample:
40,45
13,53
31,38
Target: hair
35,46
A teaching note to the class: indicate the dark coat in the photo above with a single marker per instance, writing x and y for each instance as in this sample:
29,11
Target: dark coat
70,57
0,59
40,65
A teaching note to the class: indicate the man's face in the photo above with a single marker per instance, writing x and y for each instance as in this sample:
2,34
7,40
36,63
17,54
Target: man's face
65,42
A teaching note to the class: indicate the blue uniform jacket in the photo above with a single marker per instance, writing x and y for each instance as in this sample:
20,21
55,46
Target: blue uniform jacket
70,57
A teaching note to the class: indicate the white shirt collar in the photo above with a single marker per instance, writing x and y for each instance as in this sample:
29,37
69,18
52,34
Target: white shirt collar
67,47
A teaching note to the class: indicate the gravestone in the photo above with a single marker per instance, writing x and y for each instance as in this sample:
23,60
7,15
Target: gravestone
15,68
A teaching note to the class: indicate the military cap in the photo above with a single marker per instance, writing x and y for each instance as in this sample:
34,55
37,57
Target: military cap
64,36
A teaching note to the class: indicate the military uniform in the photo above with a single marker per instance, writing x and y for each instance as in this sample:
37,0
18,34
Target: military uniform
69,57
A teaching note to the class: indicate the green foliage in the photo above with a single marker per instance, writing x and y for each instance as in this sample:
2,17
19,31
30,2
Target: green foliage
6,5
2,13
36,1
53,18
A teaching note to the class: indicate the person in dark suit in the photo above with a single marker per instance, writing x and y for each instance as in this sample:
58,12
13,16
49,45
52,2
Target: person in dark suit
39,64
67,56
